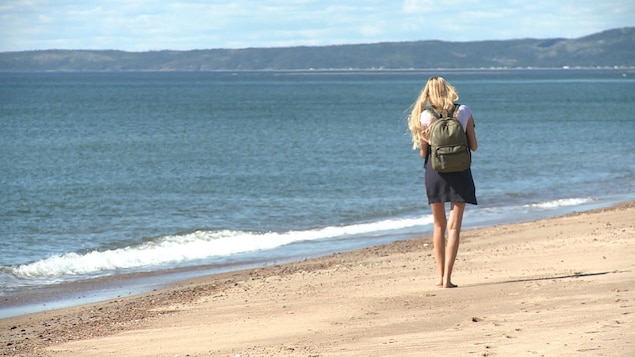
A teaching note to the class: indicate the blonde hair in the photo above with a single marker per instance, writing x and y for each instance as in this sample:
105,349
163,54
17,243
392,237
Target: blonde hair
440,95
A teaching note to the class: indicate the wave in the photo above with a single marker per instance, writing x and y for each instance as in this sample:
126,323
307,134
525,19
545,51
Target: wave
213,246
564,202
190,247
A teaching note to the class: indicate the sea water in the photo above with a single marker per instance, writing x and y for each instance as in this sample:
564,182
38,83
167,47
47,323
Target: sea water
109,174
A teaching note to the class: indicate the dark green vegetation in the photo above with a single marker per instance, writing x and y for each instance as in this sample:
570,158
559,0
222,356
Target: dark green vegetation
612,48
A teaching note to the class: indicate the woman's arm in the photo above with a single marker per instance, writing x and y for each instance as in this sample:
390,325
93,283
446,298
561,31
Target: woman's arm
424,150
471,134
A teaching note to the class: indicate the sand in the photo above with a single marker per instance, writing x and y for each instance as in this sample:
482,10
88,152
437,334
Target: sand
557,287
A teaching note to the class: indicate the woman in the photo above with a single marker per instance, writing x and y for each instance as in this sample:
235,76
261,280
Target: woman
456,187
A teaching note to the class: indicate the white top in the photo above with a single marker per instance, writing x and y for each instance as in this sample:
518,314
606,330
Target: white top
464,115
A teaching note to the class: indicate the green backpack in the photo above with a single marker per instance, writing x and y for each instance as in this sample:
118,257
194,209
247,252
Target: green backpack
449,149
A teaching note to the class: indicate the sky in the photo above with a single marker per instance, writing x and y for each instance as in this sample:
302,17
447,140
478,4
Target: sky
149,25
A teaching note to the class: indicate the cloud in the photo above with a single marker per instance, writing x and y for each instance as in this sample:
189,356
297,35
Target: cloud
469,20
188,24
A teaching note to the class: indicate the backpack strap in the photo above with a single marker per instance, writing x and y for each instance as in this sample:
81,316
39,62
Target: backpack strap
431,111
436,115
454,110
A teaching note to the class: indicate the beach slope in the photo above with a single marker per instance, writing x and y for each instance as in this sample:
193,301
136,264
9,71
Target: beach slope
553,287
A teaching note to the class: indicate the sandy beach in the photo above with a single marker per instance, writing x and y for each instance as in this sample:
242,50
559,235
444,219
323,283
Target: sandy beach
556,287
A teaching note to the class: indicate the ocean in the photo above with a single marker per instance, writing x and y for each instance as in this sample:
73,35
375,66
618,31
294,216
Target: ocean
125,182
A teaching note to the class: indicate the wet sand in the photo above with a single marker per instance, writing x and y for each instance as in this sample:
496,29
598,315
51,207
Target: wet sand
554,287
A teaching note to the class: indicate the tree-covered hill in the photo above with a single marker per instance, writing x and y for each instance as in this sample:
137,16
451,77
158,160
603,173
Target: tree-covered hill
612,48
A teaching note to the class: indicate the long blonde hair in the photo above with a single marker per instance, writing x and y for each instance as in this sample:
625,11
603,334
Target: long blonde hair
440,95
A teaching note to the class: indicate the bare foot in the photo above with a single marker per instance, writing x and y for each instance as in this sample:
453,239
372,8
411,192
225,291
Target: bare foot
450,285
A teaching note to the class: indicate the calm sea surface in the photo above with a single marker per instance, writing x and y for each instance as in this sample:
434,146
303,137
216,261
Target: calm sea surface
105,174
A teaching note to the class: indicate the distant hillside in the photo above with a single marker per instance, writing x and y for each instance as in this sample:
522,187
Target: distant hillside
612,48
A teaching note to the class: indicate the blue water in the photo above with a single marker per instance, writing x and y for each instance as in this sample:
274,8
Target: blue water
104,174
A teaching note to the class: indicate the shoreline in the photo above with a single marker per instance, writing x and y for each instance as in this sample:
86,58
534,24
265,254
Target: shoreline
389,289
74,293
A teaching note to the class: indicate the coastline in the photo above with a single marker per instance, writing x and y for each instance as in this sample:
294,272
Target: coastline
86,290
553,286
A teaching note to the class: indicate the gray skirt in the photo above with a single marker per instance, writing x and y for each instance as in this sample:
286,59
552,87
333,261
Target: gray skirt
449,187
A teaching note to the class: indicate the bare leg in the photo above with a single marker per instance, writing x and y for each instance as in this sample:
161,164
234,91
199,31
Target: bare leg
438,237
454,231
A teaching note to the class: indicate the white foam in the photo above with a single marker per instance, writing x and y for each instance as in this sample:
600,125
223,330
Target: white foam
199,245
564,202
192,246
